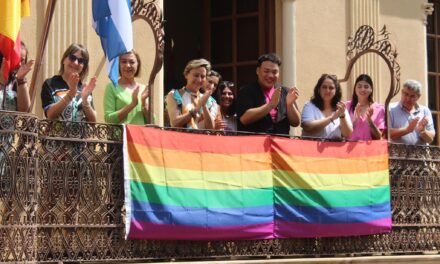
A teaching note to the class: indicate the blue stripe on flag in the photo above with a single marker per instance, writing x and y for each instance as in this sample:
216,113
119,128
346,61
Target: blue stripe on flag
335,215
195,216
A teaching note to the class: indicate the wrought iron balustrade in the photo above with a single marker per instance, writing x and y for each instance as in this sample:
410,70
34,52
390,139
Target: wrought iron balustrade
61,199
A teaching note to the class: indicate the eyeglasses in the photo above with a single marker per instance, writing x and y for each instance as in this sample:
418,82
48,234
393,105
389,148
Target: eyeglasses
74,58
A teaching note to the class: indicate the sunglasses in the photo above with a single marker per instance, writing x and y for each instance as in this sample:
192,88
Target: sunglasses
74,58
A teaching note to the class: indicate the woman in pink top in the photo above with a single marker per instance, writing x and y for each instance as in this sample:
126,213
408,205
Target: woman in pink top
368,117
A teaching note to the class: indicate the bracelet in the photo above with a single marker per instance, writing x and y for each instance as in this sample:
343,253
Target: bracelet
342,116
22,81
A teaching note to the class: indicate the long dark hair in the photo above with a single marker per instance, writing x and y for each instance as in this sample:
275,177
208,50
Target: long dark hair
354,97
223,85
317,99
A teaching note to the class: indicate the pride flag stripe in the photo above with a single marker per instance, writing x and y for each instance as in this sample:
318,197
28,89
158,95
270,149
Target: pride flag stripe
179,159
284,229
252,144
326,198
332,215
201,198
181,215
148,230
253,179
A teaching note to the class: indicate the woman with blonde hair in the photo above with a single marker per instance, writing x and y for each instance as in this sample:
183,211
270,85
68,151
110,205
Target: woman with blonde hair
187,106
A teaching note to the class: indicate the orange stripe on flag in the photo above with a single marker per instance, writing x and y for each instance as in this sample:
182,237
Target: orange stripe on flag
198,161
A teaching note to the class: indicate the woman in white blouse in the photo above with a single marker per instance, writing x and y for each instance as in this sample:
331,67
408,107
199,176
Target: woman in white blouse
325,116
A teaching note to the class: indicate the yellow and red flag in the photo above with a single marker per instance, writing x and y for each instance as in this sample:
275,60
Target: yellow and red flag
11,12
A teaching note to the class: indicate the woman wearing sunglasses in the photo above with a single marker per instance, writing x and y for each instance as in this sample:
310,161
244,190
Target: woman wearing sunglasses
127,102
64,96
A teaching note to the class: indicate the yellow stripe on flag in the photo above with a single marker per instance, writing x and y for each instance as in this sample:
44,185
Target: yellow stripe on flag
11,12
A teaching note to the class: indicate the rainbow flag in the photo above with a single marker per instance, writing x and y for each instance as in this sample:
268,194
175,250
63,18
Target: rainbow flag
182,186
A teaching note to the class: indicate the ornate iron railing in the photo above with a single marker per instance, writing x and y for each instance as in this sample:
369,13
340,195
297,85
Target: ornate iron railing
61,199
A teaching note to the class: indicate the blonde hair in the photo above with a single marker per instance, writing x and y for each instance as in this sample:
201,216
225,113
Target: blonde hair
194,64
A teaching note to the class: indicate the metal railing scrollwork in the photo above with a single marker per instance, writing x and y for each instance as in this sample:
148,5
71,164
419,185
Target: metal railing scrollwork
62,199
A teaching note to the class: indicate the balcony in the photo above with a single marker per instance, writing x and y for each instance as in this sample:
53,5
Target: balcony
62,199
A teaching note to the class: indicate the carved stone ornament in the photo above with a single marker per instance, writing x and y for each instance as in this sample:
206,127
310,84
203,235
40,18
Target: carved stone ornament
366,40
150,12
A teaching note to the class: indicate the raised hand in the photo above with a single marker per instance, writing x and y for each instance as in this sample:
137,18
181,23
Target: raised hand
422,124
369,114
134,95
204,99
412,124
88,89
292,95
357,112
72,82
275,98
25,69
220,124
340,109
145,94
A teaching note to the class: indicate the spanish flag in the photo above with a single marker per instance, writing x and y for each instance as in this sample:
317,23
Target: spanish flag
11,12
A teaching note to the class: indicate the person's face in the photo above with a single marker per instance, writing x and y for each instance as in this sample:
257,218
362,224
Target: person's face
409,98
23,56
128,65
226,98
74,63
268,74
363,90
211,83
327,90
195,78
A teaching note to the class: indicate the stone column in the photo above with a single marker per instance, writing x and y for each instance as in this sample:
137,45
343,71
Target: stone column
365,12
288,70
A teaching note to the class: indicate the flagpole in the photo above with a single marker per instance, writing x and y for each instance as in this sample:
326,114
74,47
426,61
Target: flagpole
41,48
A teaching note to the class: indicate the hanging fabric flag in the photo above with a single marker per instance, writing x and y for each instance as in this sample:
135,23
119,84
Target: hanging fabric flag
11,12
112,22
199,187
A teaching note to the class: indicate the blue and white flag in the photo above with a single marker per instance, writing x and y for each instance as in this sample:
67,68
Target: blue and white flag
112,22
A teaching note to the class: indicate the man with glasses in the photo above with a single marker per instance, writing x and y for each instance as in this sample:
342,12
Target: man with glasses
410,122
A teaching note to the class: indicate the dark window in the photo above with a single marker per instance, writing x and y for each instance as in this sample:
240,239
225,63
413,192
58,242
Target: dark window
238,32
433,47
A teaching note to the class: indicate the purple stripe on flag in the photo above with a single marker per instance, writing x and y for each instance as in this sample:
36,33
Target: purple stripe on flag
285,229
146,230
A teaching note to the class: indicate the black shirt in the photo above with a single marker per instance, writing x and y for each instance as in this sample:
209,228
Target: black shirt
251,96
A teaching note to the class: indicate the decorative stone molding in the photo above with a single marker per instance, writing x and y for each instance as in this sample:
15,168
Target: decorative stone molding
429,9
365,41
150,12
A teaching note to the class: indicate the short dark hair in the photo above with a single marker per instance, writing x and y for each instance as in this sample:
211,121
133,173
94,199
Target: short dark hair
272,57
317,99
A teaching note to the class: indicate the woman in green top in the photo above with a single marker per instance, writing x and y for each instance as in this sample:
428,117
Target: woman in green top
128,102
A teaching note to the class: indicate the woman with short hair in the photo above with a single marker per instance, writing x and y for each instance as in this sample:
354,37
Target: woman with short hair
64,96
187,106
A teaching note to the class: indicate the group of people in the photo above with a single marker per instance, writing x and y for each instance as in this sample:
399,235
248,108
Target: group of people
208,102
265,106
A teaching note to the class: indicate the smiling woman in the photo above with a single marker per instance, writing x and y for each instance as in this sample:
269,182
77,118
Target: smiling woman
64,96
127,102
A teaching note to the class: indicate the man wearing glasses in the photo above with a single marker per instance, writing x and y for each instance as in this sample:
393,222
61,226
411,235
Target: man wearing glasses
411,123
